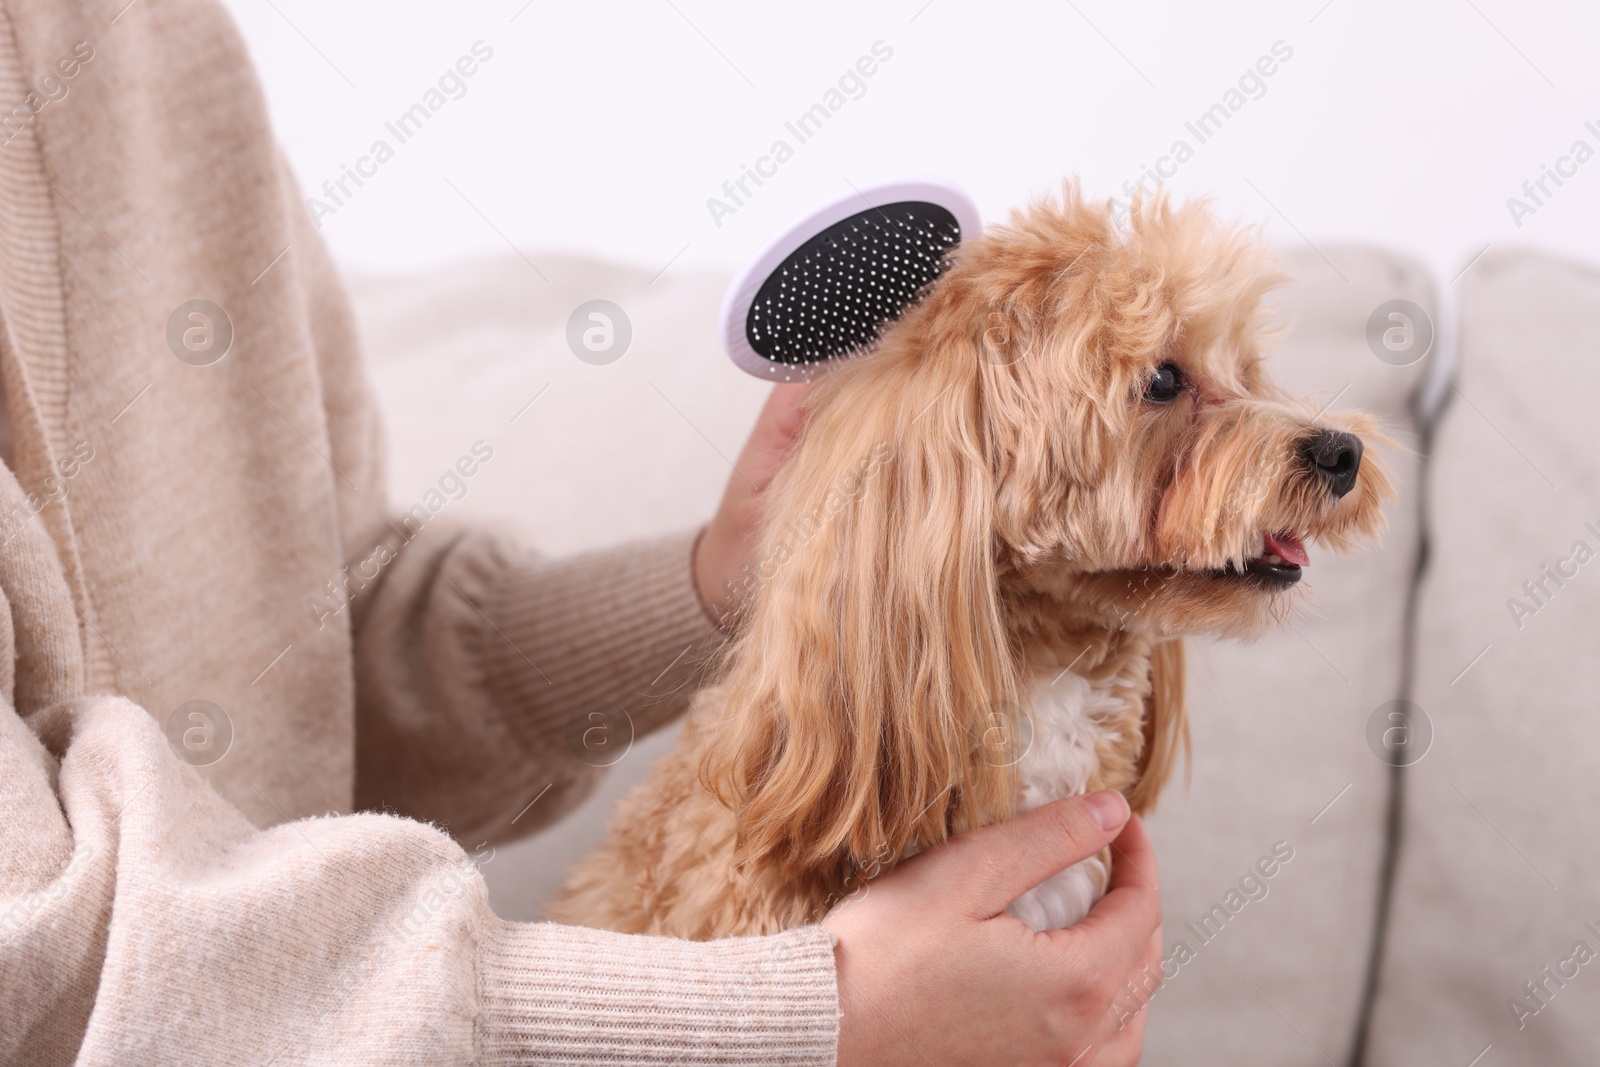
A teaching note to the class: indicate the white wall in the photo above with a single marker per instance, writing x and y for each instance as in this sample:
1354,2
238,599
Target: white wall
603,128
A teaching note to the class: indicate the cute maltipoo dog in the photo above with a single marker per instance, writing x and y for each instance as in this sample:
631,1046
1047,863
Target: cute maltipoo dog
978,567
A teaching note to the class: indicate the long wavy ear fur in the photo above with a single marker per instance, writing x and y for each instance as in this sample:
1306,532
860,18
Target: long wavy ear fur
1166,726
873,651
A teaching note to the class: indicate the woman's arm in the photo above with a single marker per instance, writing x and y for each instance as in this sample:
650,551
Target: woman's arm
143,920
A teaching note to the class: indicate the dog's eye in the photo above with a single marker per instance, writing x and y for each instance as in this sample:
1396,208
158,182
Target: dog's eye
1166,385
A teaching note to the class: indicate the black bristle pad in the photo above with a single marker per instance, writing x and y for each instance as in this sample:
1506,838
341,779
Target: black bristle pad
835,293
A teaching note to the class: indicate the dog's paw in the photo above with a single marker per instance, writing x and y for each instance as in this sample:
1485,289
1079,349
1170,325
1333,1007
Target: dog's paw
1063,898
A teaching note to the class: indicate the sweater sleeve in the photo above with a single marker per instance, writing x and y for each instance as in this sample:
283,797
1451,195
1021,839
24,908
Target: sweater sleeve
152,924
488,677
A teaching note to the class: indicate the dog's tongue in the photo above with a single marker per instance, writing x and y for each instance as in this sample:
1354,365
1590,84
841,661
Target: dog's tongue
1287,547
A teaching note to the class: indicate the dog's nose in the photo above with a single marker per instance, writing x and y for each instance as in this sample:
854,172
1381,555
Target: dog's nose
1335,456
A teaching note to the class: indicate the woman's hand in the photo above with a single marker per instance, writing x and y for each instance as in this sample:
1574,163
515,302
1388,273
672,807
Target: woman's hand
729,542
932,970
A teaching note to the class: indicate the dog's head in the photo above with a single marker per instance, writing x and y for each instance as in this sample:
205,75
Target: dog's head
1147,471
1074,423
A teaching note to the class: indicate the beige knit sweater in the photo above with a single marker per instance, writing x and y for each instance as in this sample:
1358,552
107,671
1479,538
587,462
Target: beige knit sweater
167,525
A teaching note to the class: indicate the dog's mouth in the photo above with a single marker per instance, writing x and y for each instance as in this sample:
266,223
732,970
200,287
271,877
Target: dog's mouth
1282,556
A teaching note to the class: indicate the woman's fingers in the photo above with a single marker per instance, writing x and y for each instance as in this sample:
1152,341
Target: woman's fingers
1116,951
1130,1012
776,430
729,541
1119,927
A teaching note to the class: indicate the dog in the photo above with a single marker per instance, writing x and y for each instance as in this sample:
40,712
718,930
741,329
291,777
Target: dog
978,568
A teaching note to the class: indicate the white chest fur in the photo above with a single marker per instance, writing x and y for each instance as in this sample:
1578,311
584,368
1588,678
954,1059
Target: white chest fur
1071,718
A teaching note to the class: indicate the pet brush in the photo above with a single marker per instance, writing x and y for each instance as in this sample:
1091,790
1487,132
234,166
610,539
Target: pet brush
826,287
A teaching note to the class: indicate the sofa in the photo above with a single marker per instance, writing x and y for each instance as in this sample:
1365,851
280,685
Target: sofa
1414,752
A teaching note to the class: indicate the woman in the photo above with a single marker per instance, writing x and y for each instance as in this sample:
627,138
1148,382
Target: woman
200,563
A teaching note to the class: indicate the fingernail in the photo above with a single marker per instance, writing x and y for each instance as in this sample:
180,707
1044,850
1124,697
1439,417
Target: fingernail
1109,808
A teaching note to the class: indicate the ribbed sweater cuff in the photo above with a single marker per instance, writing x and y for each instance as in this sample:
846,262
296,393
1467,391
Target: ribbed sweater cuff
623,627
552,994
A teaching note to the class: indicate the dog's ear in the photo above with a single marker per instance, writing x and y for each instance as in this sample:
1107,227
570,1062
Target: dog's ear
1166,726
873,657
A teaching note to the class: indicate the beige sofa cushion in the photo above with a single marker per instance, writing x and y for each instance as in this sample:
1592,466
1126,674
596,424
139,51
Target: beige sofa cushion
639,447
1280,734
1499,863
